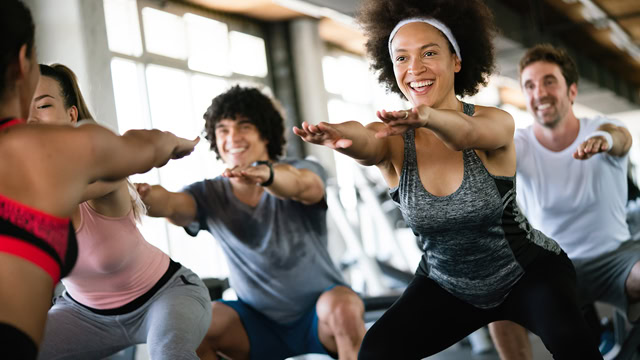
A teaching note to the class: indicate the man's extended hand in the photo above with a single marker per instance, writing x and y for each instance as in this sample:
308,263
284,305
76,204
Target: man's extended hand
590,147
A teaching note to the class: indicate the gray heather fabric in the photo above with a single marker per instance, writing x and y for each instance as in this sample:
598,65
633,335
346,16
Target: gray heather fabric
604,277
172,323
476,241
277,252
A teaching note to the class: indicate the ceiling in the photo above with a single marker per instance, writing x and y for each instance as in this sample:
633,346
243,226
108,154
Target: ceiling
268,10
602,35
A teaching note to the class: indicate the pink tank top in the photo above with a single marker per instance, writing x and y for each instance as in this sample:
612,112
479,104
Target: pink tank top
115,263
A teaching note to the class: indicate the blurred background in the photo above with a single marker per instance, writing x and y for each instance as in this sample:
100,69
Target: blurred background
158,64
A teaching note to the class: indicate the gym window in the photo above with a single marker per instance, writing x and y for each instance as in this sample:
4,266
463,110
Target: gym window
167,64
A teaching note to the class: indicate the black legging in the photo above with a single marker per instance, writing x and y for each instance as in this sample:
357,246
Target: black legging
426,319
15,344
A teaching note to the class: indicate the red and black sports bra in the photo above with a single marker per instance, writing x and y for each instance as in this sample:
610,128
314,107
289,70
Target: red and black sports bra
43,239
5,123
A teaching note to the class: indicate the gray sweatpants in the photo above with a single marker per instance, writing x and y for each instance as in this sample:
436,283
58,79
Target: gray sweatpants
172,323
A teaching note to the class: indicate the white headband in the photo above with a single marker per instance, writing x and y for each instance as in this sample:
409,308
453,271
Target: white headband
433,22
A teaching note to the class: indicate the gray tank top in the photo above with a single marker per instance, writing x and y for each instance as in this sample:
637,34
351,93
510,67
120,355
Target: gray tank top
477,243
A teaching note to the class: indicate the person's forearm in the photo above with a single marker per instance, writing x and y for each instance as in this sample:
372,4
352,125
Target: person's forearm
489,129
115,157
178,208
621,139
157,202
299,185
452,127
99,189
153,145
365,148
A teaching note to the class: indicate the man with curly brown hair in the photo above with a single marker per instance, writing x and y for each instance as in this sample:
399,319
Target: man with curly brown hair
270,219
450,167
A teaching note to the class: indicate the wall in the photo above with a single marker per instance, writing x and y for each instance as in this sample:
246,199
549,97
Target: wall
73,32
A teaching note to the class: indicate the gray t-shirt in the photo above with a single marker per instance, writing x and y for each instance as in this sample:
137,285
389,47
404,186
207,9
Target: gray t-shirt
277,251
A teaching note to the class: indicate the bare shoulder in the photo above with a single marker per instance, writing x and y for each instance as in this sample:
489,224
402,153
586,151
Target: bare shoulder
80,141
39,170
49,149
33,141
53,134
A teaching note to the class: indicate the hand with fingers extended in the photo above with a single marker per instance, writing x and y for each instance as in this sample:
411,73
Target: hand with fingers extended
323,134
398,122
254,174
184,147
590,147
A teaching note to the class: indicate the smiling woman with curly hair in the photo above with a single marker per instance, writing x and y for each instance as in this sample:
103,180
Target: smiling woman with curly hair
451,167
473,32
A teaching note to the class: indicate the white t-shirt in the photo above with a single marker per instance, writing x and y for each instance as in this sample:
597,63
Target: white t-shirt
578,203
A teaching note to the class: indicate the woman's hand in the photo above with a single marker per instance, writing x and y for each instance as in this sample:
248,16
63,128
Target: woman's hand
184,147
398,122
323,134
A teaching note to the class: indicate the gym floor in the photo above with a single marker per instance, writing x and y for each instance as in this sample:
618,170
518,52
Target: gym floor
462,351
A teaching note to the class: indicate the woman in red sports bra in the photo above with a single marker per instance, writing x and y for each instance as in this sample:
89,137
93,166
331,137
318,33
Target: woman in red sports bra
118,275
44,171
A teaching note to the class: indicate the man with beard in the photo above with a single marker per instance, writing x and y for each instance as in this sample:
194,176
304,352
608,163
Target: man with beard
572,185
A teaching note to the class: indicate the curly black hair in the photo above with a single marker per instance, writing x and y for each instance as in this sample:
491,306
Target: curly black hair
470,21
555,55
258,108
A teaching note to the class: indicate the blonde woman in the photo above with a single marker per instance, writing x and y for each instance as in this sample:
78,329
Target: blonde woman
123,290
39,191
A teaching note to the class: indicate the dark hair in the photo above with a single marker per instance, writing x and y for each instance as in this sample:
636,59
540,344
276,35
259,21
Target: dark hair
259,109
16,29
69,88
554,55
470,21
